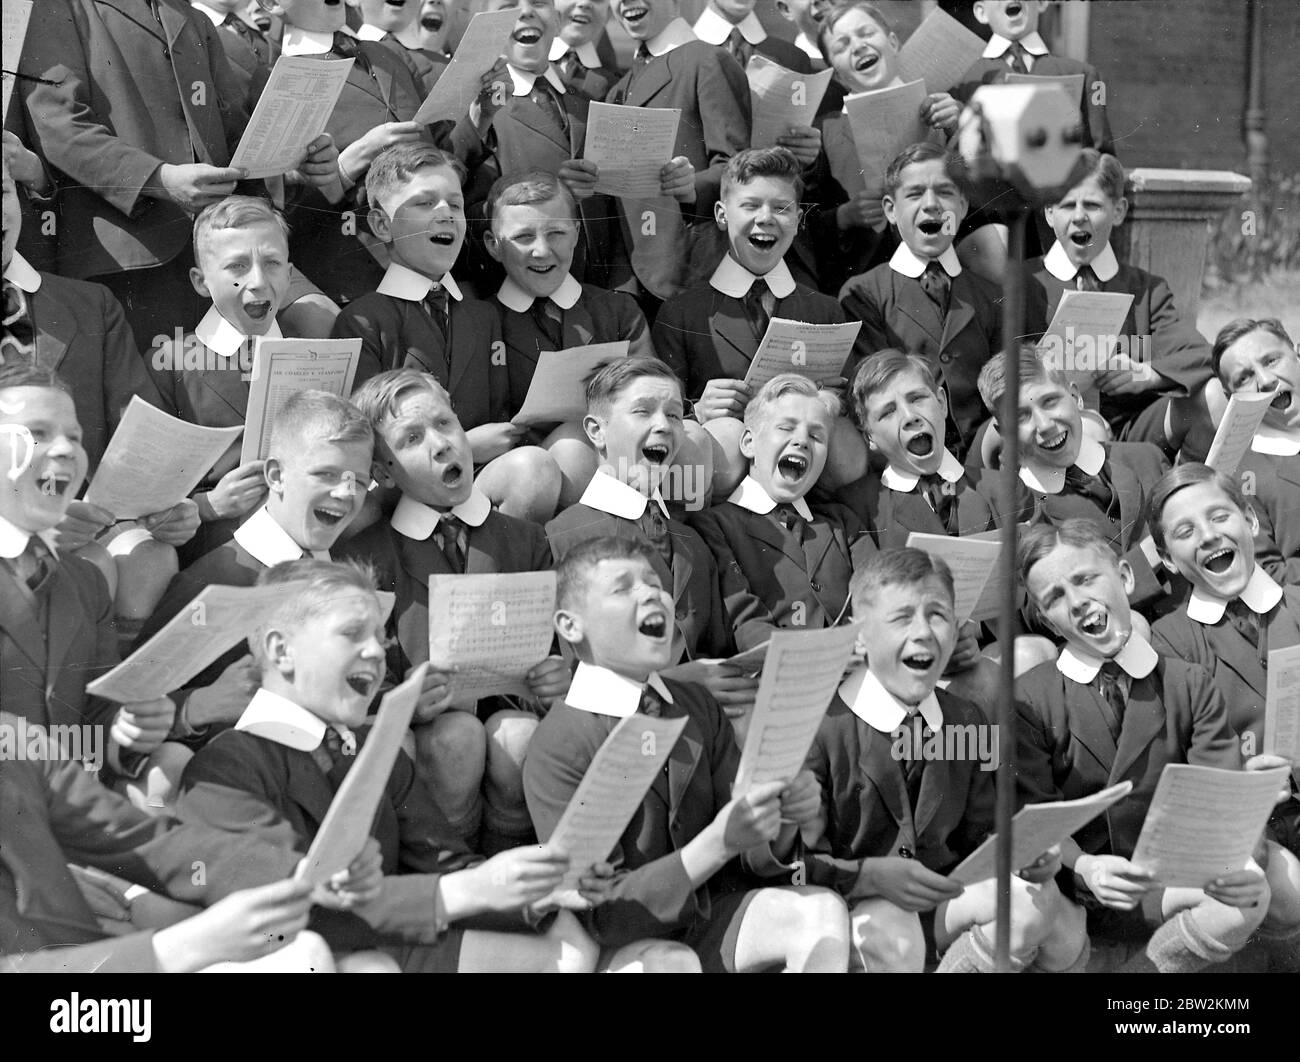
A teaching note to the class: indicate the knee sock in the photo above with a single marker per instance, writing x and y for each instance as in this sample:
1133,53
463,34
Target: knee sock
1180,945
1282,946
971,953
504,828
1079,965
467,826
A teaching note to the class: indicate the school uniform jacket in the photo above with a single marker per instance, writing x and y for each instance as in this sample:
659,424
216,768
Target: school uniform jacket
56,813
896,312
652,896
1064,750
704,335
769,580
892,515
865,802
1239,669
1274,494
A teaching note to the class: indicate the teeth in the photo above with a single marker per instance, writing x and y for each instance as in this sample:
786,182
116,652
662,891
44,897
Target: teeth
653,626
1094,624
921,444
1282,401
655,453
1055,442
919,661
1220,560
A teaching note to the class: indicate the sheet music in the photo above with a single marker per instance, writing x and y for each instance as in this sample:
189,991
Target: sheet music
1282,705
558,390
780,98
351,814
1035,829
884,121
485,38
1083,335
939,52
1236,431
489,631
974,565
800,675
283,366
817,351
629,146
292,111
17,13
610,792
1072,83
1204,822
154,460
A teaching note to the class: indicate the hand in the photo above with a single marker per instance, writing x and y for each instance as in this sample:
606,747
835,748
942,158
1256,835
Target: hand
597,885
1267,761
320,163
174,526
24,165
194,185
579,176
434,698
801,799
244,926
731,688
966,652
804,142
1128,377
144,725
752,819
940,111
677,179
518,877
1242,888
224,701
863,211
723,398
356,158
490,441
907,883
1114,880
549,680
80,524
360,883
496,86
1043,868
239,491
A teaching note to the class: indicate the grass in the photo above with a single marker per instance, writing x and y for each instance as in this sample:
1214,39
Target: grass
1277,295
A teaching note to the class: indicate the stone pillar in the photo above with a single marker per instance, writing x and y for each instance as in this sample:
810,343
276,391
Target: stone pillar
1171,216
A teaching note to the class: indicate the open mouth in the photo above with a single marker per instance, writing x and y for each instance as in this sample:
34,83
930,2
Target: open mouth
526,35
866,61
655,453
655,625
1081,239
362,682
443,239
1052,443
920,663
399,4
431,23
452,475
1220,560
54,484
580,18
1282,402
328,517
1013,10
921,444
762,241
792,467
541,270
1095,624
333,3
930,226
632,14
257,311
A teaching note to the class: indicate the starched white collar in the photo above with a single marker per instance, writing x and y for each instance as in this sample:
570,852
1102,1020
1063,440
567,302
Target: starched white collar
732,278
673,35
1275,442
1137,658
309,42
910,265
278,719
1048,480
604,692
752,495
613,496
13,540
1260,595
881,710
268,543
218,18
997,46
21,273
525,80
1058,263
223,338
367,32
513,297
808,47
586,52
950,471
418,521
712,28
402,283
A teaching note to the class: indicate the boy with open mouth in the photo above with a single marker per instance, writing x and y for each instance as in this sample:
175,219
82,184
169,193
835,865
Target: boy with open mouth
418,318
469,754
581,51
439,907
691,864
392,23
1258,356
922,300
783,562
1236,615
1065,474
903,803
1110,709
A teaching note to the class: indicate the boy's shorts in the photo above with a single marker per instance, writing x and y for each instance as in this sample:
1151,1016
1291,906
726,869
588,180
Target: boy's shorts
443,957
715,940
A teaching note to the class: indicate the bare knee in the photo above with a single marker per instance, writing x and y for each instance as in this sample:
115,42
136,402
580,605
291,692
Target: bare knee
730,466
658,957
144,572
1032,650
1034,909
576,459
508,734
453,746
577,952
367,962
887,939
847,459
101,559
524,483
1283,875
693,468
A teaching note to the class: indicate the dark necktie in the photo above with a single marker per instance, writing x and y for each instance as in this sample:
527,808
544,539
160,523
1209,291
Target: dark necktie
942,498
739,48
1244,621
1086,280
790,519
436,303
335,748
450,531
651,703
18,337
756,308
1016,60
34,564
935,283
550,322
543,98
911,733
568,65
1079,482
639,62
655,528
239,27
1111,680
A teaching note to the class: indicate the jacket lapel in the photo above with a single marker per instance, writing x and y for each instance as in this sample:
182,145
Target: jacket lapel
765,529
913,303
55,332
1088,727
960,314
731,329
18,621
879,767
461,354
671,784
1144,717
308,787
228,388
531,118
1129,493
646,84
65,626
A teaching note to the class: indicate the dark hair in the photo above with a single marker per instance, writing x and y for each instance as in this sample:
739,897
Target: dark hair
876,371
573,574
379,397
396,165
896,567
1239,329
838,12
1034,366
778,162
1180,477
926,151
322,583
527,189
1039,539
26,374
606,385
